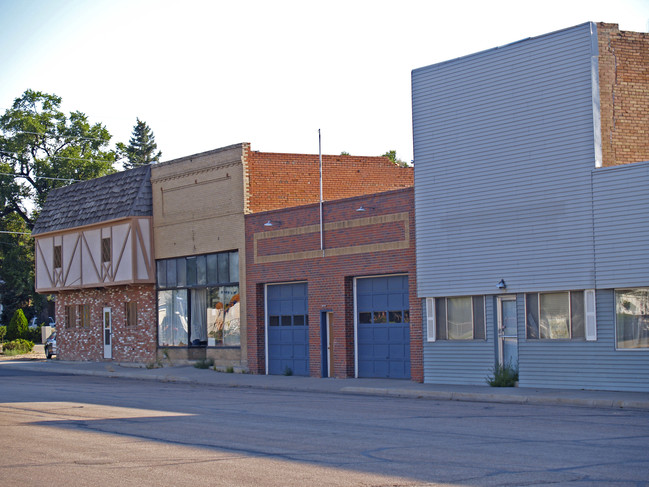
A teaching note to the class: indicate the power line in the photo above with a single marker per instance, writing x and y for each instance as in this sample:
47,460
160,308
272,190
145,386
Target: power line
62,157
16,233
55,135
41,177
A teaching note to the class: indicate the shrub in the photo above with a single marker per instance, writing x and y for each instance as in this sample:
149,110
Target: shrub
205,363
3,333
17,326
288,371
503,376
18,346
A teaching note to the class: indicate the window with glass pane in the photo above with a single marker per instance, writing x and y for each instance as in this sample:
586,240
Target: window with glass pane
223,315
172,318
460,318
233,258
459,315
632,318
555,316
191,270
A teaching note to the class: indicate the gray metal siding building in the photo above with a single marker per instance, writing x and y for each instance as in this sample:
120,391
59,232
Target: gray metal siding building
507,187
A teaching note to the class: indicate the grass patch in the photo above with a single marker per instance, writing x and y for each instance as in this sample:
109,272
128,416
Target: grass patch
17,347
503,376
205,363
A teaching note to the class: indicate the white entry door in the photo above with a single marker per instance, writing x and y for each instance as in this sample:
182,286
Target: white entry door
108,351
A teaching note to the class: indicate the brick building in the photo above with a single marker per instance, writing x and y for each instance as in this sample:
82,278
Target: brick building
199,205
335,298
94,251
122,298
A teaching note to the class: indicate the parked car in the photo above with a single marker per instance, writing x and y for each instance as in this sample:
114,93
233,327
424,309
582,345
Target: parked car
50,346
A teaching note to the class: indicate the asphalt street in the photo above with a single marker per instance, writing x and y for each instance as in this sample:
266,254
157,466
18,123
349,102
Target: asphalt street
79,430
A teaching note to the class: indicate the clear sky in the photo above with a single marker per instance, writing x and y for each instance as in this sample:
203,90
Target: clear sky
206,74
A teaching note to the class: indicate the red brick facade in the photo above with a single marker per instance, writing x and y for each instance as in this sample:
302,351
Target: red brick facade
129,343
276,180
624,94
377,241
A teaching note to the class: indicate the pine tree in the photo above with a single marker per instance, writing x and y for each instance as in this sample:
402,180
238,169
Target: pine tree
141,147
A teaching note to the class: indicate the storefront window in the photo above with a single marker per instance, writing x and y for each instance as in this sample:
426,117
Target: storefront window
172,318
223,316
200,305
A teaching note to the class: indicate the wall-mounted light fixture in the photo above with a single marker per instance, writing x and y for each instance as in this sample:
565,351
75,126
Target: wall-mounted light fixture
362,208
502,285
272,223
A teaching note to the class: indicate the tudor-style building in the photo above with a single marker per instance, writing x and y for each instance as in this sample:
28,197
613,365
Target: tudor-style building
93,249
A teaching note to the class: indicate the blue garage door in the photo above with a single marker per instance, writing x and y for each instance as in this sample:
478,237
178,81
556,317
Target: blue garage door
288,329
383,323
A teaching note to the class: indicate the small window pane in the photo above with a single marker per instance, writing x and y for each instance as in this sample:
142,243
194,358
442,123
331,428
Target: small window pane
273,320
224,267
286,321
191,271
555,315
380,317
460,321
212,275
298,320
105,249
365,318
577,315
181,272
406,316
234,267
440,318
532,317
201,270
478,318
162,273
171,273
395,316
57,257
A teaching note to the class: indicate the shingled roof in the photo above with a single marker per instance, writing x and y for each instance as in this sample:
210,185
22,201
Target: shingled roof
119,195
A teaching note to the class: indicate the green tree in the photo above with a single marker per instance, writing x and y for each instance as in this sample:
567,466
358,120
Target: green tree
141,147
41,148
392,155
3,333
17,268
17,326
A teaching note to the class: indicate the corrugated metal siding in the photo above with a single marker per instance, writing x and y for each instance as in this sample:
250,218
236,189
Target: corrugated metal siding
461,361
585,365
504,148
621,208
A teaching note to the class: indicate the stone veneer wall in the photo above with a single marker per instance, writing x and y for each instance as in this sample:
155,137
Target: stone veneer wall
129,343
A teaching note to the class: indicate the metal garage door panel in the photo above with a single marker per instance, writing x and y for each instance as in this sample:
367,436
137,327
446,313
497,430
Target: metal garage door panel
383,347
288,342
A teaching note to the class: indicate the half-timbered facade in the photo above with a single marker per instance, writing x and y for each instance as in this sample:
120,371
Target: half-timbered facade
93,248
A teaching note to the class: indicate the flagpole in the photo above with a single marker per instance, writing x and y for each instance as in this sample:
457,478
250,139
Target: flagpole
321,226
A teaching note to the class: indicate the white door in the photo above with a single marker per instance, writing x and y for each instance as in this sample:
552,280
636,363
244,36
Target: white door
507,332
108,352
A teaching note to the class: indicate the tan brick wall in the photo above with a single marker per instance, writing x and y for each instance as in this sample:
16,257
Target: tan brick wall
624,94
129,343
279,180
198,203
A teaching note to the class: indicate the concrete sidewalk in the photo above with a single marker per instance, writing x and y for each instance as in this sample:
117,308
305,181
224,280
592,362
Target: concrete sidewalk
378,387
